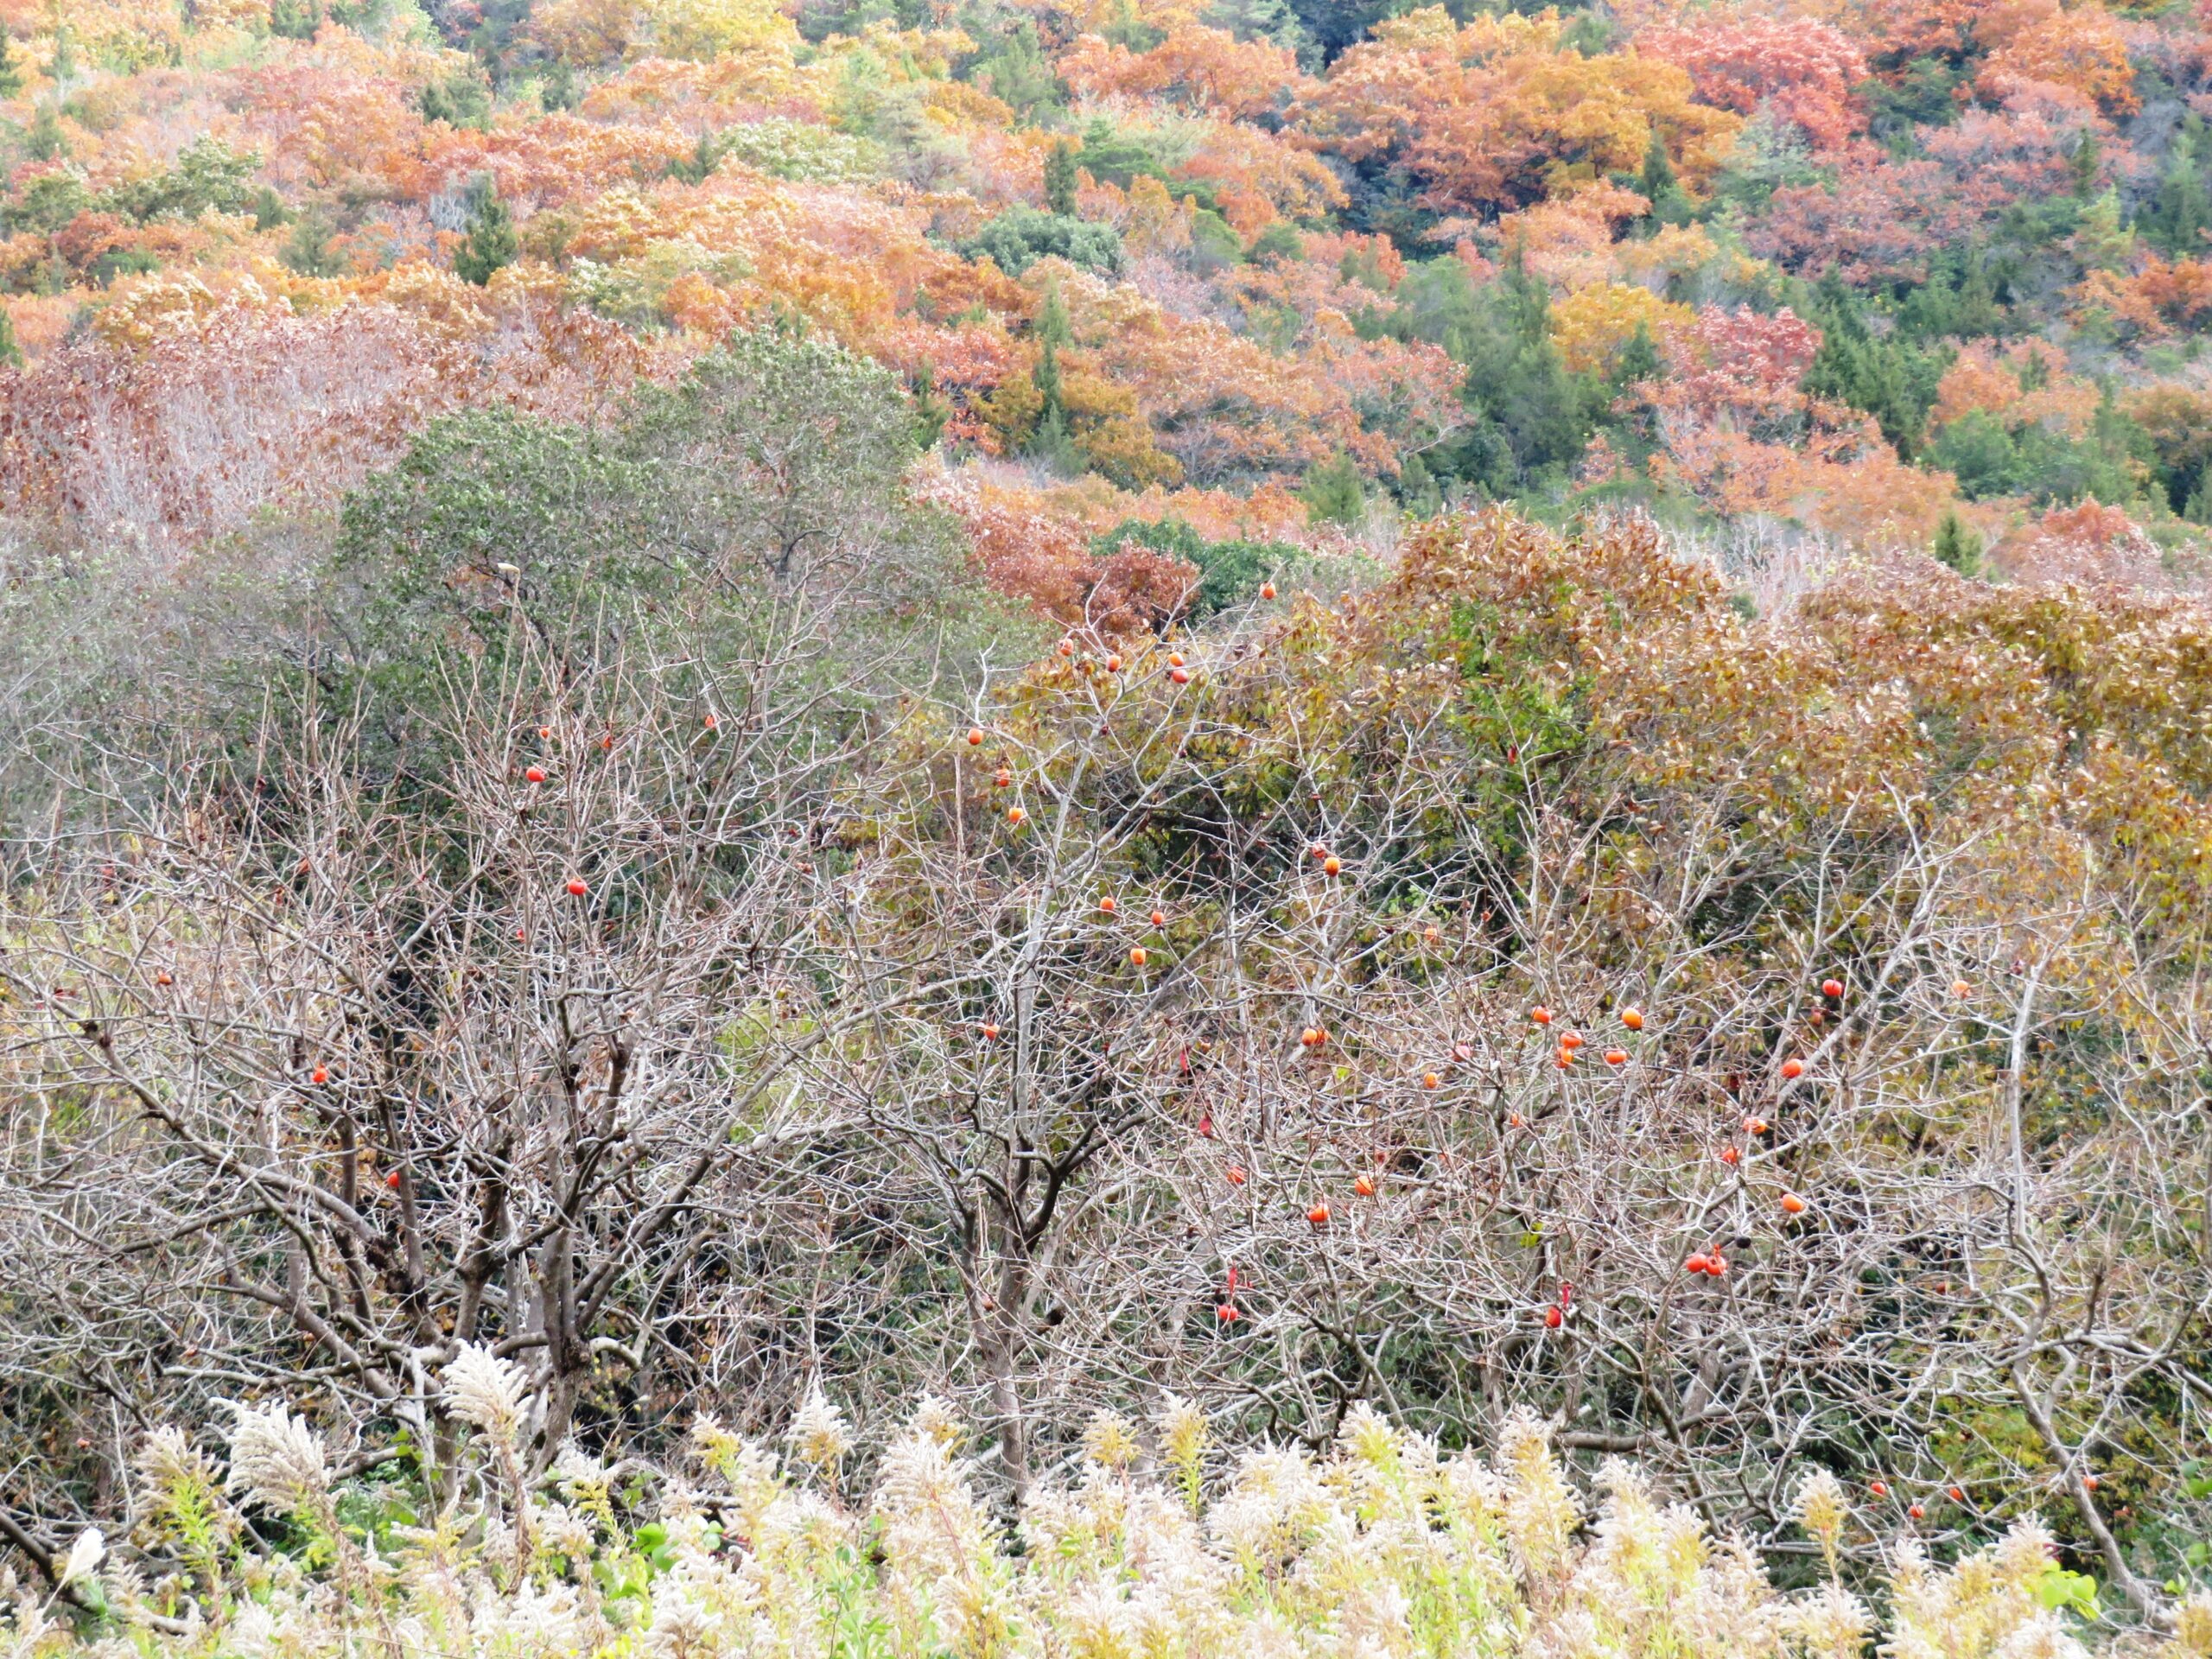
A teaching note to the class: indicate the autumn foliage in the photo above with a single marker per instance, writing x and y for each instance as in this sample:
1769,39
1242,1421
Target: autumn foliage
1436,725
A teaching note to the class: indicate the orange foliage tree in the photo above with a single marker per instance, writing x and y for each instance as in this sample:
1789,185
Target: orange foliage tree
2083,50
1737,432
1502,110
1207,71
1806,71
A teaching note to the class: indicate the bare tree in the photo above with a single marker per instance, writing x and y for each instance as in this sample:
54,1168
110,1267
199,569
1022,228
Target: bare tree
1452,998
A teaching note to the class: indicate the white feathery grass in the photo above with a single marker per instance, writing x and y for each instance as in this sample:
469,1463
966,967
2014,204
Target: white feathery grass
83,1557
488,1393
277,1460
818,1434
1381,1548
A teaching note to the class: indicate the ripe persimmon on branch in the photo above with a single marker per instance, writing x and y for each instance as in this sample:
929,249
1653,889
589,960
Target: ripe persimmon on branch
1525,984
457,998
1751,1190
356,1082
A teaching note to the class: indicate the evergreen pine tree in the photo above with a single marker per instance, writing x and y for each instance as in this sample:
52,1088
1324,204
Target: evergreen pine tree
11,355
268,209
1890,379
2088,156
43,140
1417,489
1059,179
557,92
2180,210
2199,508
491,245
1638,361
1052,440
931,411
1978,313
1659,186
1958,547
295,20
1333,492
308,249
2101,241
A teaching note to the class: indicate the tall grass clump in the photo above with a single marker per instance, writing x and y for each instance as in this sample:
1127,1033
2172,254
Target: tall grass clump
1384,1546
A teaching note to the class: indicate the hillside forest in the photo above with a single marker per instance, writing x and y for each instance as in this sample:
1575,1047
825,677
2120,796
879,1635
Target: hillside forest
1105,828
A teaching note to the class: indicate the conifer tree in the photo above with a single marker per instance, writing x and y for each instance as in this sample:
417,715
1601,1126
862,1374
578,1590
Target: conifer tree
1958,546
1059,179
1333,493
492,244
1052,440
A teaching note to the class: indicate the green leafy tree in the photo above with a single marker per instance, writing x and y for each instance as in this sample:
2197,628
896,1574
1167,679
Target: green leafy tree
11,68
1017,71
1020,237
1334,493
1978,450
558,91
1417,489
208,176
1959,546
48,202
295,20
490,245
2179,212
1060,179
1890,378
1278,243
459,100
1770,153
309,250
1229,571
43,140
768,482
1669,204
